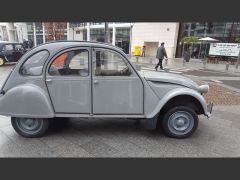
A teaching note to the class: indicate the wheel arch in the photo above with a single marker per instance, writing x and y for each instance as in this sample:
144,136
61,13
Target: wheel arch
181,96
26,100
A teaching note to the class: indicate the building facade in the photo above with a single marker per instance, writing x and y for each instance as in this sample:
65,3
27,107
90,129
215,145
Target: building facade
8,32
228,32
129,35
153,34
119,33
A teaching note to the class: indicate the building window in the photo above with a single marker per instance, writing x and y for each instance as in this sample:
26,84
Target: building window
123,39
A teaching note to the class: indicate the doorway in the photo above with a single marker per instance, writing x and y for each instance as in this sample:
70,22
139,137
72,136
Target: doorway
151,48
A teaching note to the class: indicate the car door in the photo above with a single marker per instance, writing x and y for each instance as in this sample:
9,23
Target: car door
8,52
68,80
117,89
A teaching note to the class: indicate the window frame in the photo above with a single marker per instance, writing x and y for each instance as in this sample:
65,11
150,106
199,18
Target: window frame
94,49
67,50
26,75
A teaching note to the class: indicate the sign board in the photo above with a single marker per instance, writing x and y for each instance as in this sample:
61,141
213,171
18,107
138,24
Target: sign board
224,49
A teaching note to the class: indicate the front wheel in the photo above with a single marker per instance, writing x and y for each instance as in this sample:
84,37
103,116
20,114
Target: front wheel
179,122
30,127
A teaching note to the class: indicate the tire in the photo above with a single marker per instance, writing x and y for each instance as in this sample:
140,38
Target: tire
179,122
30,127
2,61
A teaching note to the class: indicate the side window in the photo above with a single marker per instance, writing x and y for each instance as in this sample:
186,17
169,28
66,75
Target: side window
110,63
34,64
71,63
18,47
8,47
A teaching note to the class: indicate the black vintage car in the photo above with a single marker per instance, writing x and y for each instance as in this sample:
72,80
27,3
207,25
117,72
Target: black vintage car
10,52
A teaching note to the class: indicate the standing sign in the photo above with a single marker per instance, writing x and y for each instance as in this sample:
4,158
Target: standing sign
224,49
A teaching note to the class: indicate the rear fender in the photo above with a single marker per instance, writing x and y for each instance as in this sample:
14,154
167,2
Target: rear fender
26,100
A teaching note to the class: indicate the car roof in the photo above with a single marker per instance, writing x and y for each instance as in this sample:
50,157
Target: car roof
72,43
8,42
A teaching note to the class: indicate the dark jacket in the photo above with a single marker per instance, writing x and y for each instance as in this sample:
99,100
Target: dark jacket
161,52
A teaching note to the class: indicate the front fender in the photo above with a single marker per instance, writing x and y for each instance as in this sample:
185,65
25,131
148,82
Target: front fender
26,100
176,92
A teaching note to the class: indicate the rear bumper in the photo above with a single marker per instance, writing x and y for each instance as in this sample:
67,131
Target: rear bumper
209,109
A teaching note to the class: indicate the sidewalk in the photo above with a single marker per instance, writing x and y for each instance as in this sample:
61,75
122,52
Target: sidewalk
194,64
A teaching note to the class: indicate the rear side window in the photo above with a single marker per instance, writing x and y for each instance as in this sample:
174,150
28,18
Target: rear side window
33,66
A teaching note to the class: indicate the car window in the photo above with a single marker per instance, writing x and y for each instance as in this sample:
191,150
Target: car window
34,64
18,47
109,63
71,63
8,47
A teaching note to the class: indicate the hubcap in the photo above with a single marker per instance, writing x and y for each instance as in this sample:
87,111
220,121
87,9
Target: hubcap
29,125
181,122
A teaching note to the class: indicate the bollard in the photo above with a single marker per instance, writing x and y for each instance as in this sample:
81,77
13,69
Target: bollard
227,66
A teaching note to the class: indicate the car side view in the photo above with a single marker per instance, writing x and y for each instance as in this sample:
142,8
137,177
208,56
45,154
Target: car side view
89,79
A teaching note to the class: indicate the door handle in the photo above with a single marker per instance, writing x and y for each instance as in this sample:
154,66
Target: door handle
48,80
95,82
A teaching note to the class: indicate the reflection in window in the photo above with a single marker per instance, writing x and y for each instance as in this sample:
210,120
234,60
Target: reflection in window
110,64
71,63
8,47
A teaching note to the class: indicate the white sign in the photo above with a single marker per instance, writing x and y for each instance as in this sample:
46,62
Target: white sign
224,49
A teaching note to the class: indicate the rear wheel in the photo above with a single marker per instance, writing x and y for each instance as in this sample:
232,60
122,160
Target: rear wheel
179,122
30,127
2,61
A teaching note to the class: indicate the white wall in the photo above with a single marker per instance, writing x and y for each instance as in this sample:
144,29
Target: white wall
156,32
75,36
21,31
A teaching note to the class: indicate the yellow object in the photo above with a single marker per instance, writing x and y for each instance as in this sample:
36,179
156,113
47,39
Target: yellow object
137,51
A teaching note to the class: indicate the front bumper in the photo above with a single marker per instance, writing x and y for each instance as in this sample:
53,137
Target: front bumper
209,109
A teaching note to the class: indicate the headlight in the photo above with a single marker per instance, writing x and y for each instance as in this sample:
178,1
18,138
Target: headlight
203,89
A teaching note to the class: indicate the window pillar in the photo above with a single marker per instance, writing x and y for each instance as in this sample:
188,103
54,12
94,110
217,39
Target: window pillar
88,31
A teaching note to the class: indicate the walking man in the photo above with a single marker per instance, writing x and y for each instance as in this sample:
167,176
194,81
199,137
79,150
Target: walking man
161,52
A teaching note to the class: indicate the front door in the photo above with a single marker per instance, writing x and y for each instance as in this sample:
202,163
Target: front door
69,81
117,89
